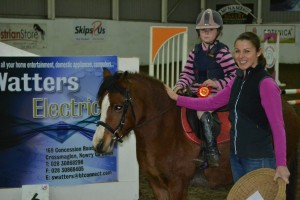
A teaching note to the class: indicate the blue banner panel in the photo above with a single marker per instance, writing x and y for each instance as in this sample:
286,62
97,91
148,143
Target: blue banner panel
48,115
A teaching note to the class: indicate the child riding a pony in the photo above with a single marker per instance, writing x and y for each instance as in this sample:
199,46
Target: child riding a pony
209,65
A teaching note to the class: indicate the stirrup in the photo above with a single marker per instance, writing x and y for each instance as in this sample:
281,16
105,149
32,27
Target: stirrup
200,163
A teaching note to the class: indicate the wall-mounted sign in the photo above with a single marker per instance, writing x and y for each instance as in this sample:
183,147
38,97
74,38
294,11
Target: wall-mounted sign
286,32
236,14
88,30
24,36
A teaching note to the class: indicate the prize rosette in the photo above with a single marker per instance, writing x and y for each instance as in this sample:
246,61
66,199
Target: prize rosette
203,91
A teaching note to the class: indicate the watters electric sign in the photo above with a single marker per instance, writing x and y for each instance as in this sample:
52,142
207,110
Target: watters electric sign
89,30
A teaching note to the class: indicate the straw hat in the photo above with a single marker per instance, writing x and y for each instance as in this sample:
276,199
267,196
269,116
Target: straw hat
259,180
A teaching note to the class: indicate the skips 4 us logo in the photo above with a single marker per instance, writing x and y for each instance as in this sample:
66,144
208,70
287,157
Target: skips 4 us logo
86,30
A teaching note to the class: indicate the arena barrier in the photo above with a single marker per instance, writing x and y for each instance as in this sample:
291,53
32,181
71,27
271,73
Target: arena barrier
292,91
168,52
294,102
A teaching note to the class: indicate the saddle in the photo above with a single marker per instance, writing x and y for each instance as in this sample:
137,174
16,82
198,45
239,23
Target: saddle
192,128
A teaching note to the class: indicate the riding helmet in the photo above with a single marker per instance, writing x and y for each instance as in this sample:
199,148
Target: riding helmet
209,19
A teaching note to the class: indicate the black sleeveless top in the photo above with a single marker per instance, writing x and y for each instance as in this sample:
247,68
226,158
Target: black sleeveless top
251,134
205,65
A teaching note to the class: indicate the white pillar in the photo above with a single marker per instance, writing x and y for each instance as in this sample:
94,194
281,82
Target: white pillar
202,4
164,11
51,9
115,10
259,10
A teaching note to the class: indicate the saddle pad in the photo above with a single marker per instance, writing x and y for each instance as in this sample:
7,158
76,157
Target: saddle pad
224,135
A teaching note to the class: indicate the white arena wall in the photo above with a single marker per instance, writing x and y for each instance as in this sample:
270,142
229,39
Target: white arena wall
131,39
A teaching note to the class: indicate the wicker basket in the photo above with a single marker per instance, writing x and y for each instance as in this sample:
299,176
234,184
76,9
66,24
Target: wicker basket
260,180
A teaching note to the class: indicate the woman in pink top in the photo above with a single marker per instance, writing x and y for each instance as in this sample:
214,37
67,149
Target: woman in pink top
255,111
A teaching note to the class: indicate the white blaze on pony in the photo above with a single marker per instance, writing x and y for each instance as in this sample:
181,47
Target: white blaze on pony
99,133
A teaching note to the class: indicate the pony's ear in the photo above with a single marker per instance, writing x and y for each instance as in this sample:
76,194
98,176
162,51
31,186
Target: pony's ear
106,73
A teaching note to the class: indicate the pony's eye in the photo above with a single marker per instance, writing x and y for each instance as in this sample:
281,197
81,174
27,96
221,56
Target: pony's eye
118,108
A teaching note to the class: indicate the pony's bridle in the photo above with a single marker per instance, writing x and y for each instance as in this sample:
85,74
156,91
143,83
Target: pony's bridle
115,132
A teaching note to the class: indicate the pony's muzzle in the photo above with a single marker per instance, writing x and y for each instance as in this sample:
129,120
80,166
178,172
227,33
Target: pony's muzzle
104,147
98,148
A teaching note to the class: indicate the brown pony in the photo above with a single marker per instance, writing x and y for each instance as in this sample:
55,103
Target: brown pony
133,101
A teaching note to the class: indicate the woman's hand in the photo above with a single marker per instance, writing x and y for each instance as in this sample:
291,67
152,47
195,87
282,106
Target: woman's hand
171,93
282,172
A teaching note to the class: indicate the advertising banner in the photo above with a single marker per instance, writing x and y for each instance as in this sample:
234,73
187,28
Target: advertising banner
48,115
286,32
88,30
24,36
236,14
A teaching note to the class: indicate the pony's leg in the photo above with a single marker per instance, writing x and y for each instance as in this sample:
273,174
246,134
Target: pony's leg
178,190
175,191
160,192
220,176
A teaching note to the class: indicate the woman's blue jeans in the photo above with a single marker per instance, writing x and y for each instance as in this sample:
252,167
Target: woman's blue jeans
241,166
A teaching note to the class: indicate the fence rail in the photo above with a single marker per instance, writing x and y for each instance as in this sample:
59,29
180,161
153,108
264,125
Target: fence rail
292,91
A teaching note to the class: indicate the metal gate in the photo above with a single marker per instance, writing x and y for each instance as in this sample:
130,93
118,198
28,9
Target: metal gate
168,53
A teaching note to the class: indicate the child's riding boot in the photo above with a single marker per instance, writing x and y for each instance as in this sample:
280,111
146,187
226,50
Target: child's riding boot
211,149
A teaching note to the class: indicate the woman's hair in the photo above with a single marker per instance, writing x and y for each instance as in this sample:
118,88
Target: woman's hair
255,41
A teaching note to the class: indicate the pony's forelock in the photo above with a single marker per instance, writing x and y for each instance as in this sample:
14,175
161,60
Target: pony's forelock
111,84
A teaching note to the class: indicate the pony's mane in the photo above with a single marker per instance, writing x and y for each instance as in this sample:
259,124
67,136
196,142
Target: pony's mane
146,77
